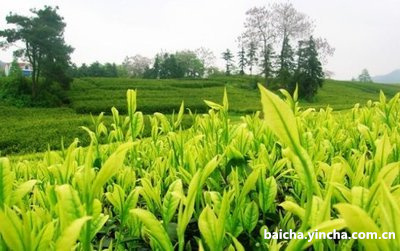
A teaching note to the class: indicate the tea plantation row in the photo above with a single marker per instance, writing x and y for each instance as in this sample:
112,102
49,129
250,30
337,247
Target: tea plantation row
29,130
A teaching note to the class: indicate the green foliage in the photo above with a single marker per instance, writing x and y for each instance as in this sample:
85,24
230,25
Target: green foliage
15,70
242,62
96,70
228,57
95,95
16,91
251,56
45,47
214,186
28,130
309,75
364,77
286,64
182,64
267,61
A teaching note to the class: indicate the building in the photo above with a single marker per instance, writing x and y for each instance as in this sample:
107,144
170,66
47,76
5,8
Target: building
26,69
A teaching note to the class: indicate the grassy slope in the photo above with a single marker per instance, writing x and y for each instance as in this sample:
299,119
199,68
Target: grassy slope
96,95
100,94
31,129
344,94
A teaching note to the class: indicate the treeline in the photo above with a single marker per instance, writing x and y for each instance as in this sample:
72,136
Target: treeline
181,64
95,69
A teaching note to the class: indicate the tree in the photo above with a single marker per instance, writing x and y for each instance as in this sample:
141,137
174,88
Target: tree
267,61
171,67
309,74
45,48
251,56
156,70
178,65
191,65
259,30
242,62
136,66
83,71
271,27
286,64
96,70
206,56
289,23
228,57
110,70
324,49
364,77
15,70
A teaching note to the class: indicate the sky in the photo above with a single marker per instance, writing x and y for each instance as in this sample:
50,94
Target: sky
364,33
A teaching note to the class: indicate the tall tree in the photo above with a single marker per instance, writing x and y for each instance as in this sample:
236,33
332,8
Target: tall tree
289,23
251,56
136,66
15,70
96,70
267,61
156,70
242,62
259,29
365,77
309,74
191,65
110,70
206,56
286,64
45,48
228,57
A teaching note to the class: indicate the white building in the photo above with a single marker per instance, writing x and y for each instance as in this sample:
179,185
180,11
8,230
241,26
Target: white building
26,69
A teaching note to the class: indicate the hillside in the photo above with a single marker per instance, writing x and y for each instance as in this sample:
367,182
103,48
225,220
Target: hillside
26,130
392,77
95,95
344,94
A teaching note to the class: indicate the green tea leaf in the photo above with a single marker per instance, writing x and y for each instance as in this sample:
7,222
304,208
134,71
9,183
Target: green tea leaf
293,208
156,231
11,229
357,220
267,193
69,236
22,190
207,226
250,216
6,181
171,201
280,118
110,167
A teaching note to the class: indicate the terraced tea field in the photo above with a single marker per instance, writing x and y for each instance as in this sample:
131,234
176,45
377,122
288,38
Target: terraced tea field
217,185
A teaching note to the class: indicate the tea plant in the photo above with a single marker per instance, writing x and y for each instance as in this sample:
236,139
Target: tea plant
214,186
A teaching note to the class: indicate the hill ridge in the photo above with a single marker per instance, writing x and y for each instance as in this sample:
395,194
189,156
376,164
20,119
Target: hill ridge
392,77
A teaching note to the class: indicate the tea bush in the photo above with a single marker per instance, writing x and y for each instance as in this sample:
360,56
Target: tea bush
214,186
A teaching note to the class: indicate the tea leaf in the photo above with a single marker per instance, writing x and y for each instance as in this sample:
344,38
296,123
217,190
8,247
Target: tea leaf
156,231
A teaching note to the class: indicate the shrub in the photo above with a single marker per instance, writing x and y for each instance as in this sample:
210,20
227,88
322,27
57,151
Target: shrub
17,91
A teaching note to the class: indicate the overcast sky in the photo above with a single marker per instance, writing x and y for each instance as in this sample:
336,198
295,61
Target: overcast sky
365,33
